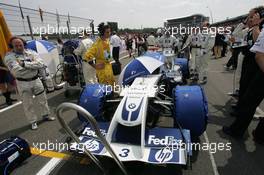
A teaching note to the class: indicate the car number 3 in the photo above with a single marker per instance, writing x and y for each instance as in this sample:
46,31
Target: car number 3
124,153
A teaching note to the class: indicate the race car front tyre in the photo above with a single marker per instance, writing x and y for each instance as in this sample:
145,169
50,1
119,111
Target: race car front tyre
190,109
92,99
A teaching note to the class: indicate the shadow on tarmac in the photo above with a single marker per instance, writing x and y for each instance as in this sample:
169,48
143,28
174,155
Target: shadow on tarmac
242,160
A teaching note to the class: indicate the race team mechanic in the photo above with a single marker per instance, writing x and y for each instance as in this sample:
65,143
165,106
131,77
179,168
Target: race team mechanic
207,44
168,42
194,41
24,65
89,72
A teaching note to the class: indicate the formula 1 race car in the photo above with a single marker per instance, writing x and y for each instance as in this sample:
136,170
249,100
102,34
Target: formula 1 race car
153,119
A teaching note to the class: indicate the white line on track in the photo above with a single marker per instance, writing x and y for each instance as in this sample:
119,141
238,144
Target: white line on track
261,113
20,102
10,107
211,156
49,167
62,84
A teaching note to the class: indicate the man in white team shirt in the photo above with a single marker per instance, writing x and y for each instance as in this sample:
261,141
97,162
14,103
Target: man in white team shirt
151,40
116,43
89,72
167,41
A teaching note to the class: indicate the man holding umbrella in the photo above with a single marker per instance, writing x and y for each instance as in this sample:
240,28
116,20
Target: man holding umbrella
24,65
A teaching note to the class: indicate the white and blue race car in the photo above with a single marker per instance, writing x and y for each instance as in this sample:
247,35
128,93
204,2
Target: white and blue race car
152,119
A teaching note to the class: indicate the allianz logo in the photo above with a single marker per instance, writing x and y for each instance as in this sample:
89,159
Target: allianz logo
166,141
89,132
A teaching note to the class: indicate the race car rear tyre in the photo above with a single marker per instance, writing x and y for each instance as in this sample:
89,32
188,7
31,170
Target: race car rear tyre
190,109
67,93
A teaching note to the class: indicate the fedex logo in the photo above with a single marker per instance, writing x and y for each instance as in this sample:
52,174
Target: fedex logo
87,131
166,141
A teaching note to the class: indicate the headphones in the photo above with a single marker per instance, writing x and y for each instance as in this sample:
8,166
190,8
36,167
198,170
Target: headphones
10,45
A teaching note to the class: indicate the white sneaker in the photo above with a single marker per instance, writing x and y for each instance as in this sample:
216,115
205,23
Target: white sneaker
48,118
201,82
34,126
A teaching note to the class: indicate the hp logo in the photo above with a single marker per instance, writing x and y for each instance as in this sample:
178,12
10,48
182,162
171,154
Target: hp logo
164,155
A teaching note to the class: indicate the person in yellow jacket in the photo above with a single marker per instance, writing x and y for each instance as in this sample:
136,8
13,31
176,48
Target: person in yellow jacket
100,50
5,35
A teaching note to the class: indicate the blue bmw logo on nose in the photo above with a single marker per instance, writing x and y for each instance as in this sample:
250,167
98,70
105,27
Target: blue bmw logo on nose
132,106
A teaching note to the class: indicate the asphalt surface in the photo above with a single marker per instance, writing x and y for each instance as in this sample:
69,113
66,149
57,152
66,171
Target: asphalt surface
245,157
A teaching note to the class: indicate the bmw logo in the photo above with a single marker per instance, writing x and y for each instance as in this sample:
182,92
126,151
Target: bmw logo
132,106
133,72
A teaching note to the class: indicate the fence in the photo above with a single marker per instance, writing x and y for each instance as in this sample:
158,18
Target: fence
31,23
